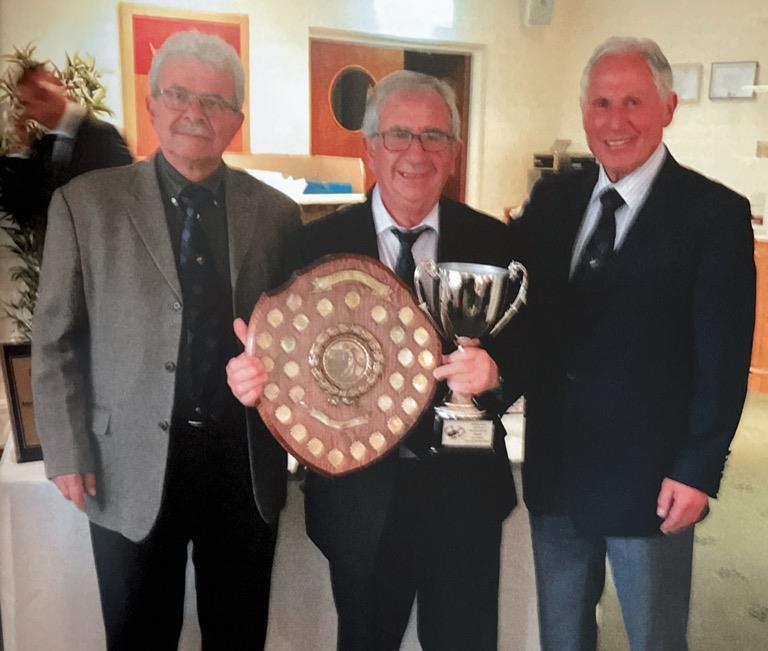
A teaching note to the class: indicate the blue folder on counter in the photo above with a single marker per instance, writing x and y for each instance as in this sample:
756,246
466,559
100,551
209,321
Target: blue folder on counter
327,187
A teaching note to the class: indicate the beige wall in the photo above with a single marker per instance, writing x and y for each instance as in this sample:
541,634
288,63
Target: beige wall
525,86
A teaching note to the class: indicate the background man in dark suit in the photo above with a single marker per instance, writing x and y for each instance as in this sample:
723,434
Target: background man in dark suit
144,269
641,310
415,523
75,143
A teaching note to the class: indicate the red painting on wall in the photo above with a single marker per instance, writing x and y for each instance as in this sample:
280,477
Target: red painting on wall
143,30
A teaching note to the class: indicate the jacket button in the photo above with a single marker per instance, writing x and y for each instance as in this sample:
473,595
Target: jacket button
170,366
163,425
176,306
570,376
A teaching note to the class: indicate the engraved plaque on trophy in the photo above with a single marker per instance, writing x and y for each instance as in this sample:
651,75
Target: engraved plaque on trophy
349,358
468,300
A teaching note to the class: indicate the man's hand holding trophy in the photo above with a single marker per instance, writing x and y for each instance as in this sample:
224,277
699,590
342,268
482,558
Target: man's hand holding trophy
465,302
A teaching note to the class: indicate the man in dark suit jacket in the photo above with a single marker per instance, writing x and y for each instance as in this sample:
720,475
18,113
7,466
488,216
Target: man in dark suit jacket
144,269
416,523
638,359
74,144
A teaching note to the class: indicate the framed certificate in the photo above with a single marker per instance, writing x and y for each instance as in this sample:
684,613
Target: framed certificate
733,80
686,81
17,371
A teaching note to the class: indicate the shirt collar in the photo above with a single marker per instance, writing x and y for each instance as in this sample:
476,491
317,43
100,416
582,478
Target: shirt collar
634,187
383,221
70,120
174,181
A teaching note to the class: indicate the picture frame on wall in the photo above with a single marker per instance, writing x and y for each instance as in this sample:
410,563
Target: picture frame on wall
17,372
686,82
143,30
733,80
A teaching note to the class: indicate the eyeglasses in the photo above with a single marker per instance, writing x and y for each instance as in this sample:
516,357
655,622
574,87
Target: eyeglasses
177,98
432,140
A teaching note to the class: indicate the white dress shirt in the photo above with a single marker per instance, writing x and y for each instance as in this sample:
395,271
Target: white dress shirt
424,248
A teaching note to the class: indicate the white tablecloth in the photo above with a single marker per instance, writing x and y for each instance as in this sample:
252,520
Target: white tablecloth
49,595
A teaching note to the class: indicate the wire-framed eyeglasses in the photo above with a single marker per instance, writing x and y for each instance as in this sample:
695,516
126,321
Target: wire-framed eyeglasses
177,98
432,140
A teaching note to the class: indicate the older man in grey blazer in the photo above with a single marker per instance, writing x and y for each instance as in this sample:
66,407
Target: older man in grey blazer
145,268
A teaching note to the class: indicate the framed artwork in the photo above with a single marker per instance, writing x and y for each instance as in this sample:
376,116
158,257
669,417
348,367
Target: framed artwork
17,371
686,81
143,30
733,80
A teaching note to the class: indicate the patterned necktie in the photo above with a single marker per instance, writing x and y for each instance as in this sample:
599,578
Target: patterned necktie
201,287
194,251
405,263
599,249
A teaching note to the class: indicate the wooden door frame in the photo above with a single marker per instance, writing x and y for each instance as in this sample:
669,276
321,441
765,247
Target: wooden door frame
478,57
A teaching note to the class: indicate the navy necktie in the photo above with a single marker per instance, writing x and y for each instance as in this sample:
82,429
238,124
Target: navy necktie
193,200
406,265
599,248
201,287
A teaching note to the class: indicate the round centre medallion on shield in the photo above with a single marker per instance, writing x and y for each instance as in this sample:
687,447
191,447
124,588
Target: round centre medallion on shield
345,361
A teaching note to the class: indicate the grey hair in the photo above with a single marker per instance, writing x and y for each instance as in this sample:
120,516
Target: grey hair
206,48
648,49
407,81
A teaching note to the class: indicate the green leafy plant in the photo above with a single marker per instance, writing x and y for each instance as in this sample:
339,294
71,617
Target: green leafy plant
26,231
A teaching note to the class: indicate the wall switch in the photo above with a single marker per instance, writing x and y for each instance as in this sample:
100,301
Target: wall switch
762,149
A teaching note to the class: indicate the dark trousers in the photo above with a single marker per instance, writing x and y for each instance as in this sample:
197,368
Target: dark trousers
448,560
209,501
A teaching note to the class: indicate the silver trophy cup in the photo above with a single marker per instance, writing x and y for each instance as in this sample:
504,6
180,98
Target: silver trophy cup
468,300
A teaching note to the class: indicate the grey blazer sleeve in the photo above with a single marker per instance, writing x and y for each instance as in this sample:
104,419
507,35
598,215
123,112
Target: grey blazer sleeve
59,350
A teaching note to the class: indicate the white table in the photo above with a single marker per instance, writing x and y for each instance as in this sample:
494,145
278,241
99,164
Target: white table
49,595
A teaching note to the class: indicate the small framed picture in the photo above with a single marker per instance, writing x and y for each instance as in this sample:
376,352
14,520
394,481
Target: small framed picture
733,80
17,371
686,81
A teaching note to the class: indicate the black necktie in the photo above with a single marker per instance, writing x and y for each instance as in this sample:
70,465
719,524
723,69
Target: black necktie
45,149
599,249
46,144
405,263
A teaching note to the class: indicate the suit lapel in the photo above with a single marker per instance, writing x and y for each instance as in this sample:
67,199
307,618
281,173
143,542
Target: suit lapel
449,233
644,231
146,211
243,211
362,232
571,222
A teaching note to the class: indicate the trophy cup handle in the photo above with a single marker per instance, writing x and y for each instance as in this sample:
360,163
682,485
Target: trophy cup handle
426,268
515,270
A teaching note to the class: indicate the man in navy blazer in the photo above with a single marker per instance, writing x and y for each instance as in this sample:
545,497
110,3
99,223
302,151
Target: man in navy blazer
638,359
416,523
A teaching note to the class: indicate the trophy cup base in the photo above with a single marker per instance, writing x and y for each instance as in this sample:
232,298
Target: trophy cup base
461,427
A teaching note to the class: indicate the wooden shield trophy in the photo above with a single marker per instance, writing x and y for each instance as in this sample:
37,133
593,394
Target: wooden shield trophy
349,357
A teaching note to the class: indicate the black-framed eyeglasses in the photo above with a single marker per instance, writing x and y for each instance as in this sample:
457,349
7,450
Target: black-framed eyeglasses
177,98
432,140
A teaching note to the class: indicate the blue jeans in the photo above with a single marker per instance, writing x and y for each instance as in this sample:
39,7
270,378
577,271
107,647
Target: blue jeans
652,576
